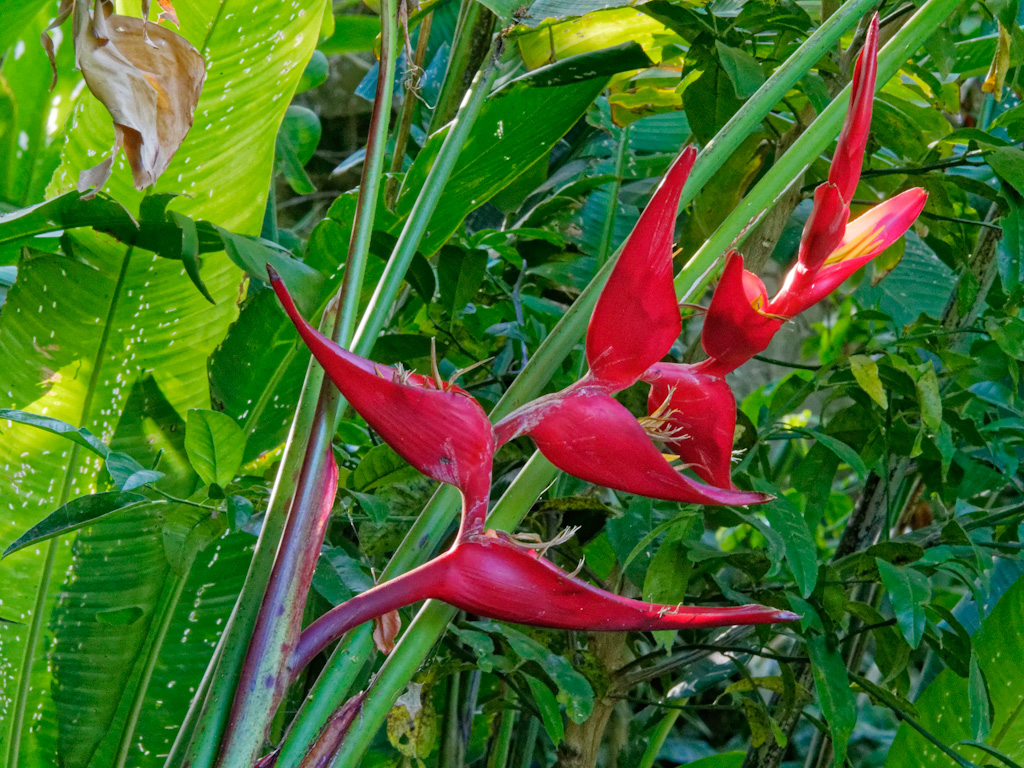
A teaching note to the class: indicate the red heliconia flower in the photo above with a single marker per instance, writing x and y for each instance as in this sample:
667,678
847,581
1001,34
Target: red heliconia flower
741,320
696,415
588,433
436,426
583,430
490,575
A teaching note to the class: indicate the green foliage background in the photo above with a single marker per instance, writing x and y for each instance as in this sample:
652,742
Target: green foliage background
888,421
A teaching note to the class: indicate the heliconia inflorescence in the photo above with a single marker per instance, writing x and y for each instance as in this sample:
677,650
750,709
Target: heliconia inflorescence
442,431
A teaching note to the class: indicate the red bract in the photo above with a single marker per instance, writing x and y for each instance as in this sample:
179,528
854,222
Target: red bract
741,321
583,430
696,414
437,427
492,576
587,433
636,319
738,324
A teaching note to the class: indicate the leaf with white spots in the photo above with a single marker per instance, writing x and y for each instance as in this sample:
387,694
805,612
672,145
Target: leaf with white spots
77,334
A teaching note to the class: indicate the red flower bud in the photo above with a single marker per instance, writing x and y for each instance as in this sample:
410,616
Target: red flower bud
846,163
739,323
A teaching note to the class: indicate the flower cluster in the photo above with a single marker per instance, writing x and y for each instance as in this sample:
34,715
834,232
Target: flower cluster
442,431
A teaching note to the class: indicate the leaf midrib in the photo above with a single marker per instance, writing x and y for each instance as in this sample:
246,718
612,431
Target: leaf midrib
28,658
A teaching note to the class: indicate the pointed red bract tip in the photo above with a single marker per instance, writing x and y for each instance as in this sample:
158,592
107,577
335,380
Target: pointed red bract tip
697,414
846,164
636,319
824,229
443,432
587,433
493,577
738,324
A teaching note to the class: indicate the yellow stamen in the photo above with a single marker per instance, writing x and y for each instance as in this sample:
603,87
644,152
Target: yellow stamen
856,248
657,425
534,541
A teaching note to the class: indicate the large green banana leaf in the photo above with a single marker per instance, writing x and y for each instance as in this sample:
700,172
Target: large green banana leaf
30,128
77,332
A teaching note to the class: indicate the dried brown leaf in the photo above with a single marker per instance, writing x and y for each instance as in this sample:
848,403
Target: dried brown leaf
385,630
149,79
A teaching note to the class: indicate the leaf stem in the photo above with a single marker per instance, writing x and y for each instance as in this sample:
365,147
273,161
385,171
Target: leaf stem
169,599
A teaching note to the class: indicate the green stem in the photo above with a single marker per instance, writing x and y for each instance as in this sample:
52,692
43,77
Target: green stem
17,721
404,126
658,737
611,212
329,692
498,758
419,217
469,45
169,598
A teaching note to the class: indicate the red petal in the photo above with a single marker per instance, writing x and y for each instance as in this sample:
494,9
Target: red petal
492,577
701,411
865,237
445,433
846,164
587,433
734,330
636,319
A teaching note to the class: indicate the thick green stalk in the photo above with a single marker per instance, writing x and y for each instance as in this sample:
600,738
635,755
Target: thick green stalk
604,249
279,618
658,738
470,43
199,738
439,514
422,210
500,749
698,272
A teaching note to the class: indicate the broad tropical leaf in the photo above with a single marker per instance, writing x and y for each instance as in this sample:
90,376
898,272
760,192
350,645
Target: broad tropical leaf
75,335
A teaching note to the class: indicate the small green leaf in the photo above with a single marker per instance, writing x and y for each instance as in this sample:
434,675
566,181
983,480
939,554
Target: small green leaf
1009,335
315,73
832,683
546,702
930,400
801,551
840,449
81,436
77,513
381,466
573,687
460,274
742,68
981,704
190,251
127,473
865,371
297,140
375,507
214,444
908,591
